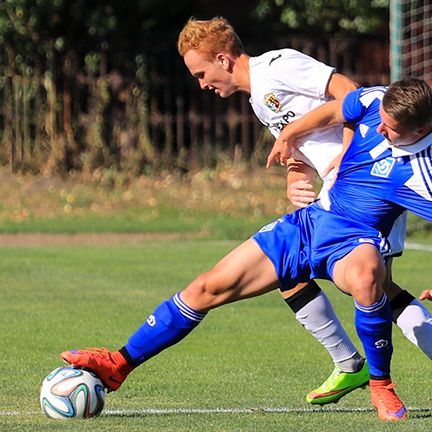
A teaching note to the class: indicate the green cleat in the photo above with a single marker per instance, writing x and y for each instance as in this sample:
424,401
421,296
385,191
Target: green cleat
338,384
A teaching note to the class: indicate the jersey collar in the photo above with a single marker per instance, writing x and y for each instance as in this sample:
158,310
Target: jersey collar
417,147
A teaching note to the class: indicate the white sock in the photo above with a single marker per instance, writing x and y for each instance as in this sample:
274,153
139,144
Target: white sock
319,318
415,321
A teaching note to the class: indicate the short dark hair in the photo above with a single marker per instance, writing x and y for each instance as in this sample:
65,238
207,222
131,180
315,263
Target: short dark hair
409,102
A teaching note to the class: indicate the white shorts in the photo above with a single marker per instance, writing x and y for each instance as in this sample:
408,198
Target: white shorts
397,235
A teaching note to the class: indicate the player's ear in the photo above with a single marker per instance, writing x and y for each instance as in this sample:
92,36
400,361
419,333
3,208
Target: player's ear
224,60
421,132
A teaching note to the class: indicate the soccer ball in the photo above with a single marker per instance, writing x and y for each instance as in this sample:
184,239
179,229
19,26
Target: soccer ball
68,393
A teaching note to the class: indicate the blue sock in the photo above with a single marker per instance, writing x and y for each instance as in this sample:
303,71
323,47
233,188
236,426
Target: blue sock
374,327
169,324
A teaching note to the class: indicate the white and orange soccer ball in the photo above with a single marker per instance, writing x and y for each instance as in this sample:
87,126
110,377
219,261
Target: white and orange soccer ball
68,393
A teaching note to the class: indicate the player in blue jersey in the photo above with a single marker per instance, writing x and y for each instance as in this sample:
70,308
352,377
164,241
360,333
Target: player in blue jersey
387,168
335,240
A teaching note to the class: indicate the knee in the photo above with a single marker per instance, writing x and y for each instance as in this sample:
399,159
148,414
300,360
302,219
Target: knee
205,292
366,282
199,287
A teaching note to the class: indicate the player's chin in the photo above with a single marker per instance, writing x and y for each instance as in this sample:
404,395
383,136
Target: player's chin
223,94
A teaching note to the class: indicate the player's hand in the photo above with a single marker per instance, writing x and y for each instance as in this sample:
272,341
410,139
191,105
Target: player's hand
301,193
333,166
282,149
426,295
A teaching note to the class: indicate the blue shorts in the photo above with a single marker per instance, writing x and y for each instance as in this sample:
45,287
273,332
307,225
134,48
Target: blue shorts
306,244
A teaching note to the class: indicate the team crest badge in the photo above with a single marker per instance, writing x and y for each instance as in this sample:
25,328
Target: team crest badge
272,102
383,167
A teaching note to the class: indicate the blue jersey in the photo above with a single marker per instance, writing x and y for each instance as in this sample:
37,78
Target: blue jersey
375,184
377,181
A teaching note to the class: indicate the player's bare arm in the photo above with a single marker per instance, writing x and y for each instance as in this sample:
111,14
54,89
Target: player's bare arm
348,133
339,86
300,178
322,117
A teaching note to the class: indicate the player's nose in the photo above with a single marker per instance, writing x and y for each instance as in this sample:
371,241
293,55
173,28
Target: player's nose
203,85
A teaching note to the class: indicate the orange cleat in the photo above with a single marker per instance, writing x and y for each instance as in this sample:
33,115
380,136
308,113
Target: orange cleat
111,367
386,401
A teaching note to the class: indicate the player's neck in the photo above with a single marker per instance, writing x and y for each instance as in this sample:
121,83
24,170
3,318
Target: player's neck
241,73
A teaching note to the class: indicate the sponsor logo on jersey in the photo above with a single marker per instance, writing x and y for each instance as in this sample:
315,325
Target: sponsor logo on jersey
275,58
363,129
272,102
383,167
286,118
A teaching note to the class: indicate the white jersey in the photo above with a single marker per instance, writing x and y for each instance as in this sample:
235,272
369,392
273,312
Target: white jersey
285,85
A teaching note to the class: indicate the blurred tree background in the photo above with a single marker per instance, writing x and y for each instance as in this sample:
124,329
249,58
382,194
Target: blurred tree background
324,17
90,85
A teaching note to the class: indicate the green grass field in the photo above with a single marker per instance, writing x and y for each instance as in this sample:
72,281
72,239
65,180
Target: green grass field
250,358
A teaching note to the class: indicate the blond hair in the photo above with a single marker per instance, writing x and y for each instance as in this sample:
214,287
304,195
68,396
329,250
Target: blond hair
210,37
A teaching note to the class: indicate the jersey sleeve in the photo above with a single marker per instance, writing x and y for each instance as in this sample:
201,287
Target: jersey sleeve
362,102
298,73
352,108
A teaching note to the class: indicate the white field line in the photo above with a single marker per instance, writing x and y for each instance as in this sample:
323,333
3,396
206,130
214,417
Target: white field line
418,246
177,411
268,410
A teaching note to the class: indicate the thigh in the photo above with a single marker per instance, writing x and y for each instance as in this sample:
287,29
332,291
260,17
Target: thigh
245,272
361,273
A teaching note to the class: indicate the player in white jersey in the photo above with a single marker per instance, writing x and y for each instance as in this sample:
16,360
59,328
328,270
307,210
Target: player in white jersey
283,86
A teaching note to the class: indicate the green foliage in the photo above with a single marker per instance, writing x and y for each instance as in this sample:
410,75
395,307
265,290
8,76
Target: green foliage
99,84
75,81
34,30
326,16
